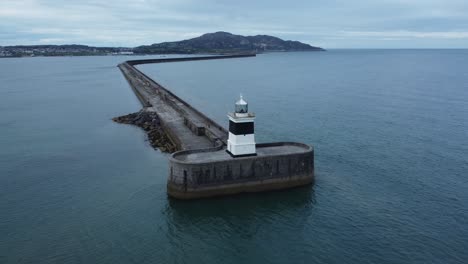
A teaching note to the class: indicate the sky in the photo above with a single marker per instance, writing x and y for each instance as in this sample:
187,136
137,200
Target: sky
325,23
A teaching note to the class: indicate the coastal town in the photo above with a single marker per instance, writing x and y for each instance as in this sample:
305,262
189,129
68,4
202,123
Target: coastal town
60,50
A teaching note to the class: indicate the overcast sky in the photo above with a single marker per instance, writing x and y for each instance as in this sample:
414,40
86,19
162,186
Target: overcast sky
325,23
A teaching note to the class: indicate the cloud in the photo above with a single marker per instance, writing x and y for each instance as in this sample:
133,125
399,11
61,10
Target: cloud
402,34
334,23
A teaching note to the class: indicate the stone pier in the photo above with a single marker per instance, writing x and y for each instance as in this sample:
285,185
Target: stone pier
202,168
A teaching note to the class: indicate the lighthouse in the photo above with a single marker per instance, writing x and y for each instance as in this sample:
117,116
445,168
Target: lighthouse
241,141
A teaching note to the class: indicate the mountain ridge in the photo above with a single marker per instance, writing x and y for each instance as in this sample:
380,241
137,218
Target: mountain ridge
225,42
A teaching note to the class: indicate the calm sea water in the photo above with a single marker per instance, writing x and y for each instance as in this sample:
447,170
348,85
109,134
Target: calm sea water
389,127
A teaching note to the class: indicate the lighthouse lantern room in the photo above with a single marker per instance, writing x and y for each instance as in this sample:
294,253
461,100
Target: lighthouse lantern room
241,141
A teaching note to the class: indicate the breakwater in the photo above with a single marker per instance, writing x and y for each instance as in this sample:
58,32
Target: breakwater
186,127
149,122
213,172
202,167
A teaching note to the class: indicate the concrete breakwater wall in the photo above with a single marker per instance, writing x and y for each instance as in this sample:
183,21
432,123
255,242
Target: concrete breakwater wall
189,58
211,172
176,115
203,168
145,95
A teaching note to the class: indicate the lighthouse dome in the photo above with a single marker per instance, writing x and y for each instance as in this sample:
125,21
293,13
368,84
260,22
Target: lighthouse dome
241,106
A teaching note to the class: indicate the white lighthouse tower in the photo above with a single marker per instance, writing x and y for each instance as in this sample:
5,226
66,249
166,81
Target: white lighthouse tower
241,140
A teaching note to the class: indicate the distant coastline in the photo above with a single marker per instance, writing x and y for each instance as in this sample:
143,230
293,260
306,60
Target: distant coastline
210,43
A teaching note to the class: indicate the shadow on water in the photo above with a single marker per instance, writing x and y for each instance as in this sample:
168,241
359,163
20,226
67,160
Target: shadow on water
273,202
233,224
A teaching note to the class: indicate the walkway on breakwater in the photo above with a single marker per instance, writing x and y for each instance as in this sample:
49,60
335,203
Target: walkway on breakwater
186,127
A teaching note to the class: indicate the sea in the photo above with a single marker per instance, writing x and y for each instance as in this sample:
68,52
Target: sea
389,129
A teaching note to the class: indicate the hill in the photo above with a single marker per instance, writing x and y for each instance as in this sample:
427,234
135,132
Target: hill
224,42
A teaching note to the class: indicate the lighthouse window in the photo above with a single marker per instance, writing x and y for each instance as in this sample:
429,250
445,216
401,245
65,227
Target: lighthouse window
241,109
241,128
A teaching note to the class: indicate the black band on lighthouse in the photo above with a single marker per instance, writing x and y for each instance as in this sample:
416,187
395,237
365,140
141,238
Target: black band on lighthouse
241,128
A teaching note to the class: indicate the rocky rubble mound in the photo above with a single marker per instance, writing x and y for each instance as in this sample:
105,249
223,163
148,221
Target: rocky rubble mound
149,122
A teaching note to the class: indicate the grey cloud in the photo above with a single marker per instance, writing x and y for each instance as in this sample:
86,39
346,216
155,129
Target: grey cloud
130,23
